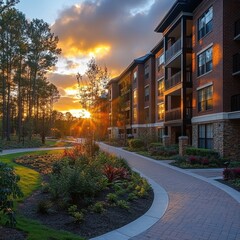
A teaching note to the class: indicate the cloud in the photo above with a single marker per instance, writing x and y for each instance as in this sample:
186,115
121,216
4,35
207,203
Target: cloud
115,32
67,103
62,80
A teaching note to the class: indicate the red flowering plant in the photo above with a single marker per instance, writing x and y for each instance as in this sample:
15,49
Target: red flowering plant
193,160
115,173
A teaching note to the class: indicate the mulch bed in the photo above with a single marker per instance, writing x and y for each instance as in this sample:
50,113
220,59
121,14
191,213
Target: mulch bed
94,224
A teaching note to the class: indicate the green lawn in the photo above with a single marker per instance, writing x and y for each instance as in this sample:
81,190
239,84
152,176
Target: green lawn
30,181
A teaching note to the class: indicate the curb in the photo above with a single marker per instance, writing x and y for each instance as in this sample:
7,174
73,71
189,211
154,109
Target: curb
141,224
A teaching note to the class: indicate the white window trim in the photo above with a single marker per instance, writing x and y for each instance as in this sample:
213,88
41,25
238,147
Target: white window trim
204,86
204,49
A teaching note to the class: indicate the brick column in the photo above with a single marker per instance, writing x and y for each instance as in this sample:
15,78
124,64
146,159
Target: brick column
166,140
183,142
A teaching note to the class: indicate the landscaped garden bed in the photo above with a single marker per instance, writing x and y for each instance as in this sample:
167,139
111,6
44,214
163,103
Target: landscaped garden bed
153,150
85,195
199,158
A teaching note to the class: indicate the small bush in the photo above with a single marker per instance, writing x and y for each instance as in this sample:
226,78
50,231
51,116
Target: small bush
9,190
44,206
201,152
132,196
135,143
98,207
231,174
114,173
112,197
123,204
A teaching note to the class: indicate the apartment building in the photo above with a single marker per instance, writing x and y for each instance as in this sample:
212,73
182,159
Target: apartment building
132,99
197,76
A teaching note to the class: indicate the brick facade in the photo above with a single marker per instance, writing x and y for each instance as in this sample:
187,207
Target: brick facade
182,84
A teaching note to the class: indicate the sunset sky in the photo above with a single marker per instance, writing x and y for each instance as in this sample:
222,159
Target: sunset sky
113,31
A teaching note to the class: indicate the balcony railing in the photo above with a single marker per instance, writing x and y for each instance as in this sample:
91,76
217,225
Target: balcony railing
173,81
237,30
236,64
173,50
173,114
176,79
235,103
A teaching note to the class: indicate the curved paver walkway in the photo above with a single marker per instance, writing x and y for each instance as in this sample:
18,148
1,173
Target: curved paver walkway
197,210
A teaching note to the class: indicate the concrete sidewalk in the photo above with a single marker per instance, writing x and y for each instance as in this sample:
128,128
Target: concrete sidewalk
199,207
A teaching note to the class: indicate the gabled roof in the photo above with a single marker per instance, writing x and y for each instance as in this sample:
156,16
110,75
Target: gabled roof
178,7
113,80
135,62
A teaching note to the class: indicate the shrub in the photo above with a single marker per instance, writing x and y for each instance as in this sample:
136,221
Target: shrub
159,150
205,161
78,183
98,207
202,152
114,173
193,160
44,206
123,204
78,216
112,197
132,196
135,143
9,190
231,174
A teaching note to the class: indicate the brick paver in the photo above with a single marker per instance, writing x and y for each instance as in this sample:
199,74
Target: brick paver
196,211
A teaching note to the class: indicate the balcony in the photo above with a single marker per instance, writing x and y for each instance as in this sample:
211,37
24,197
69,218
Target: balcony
173,114
173,50
236,64
173,81
235,103
237,30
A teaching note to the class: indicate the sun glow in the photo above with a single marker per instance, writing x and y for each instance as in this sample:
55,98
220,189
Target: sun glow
79,113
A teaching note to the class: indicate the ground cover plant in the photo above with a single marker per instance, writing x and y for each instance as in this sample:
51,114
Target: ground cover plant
96,193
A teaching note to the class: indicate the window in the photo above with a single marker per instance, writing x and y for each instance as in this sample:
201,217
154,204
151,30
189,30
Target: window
160,87
205,99
160,62
135,76
146,94
146,115
205,136
146,72
135,97
134,114
205,62
161,111
205,23
160,134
